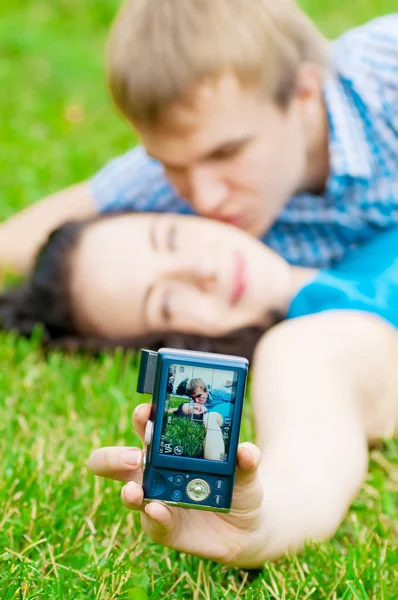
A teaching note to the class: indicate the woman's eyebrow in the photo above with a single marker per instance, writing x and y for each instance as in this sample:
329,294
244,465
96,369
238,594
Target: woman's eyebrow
152,235
144,307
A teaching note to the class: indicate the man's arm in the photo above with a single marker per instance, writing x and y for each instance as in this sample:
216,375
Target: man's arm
132,181
22,235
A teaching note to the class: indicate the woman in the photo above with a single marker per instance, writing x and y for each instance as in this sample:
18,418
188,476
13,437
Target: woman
137,279
323,385
212,420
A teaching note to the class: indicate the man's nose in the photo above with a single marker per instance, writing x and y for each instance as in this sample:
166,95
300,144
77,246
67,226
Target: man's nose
208,192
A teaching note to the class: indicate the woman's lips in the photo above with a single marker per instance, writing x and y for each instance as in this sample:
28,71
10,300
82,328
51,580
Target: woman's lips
239,282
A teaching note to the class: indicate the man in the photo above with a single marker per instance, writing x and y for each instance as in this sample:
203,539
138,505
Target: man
246,114
200,394
217,400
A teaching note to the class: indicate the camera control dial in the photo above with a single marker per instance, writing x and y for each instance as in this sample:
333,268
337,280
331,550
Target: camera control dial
198,490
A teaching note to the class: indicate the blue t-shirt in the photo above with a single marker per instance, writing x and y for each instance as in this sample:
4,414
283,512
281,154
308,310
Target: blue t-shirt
366,280
220,401
361,195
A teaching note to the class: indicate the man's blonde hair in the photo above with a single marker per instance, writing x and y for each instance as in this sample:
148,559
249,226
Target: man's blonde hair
160,50
197,382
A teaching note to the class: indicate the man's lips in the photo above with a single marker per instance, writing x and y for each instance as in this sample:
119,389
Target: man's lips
239,281
237,221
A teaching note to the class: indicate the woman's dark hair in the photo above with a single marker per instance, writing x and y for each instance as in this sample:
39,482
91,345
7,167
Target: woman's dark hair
44,300
180,413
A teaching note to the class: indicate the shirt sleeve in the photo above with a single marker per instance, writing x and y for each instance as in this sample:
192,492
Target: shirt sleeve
368,59
136,182
367,280
218,396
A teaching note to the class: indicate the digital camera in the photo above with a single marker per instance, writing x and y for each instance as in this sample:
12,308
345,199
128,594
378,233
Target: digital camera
192,436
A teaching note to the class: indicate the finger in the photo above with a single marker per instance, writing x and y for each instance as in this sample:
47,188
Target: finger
140,418
159,522
157,518
132,496
119,463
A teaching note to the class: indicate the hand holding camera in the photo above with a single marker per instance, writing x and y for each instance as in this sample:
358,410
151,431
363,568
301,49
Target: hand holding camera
220,533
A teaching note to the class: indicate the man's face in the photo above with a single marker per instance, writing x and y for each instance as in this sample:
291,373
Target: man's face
231,154
199,396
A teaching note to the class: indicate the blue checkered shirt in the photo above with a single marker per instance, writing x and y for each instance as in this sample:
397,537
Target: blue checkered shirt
361,195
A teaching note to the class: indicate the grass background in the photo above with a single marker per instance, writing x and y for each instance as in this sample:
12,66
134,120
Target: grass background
63,534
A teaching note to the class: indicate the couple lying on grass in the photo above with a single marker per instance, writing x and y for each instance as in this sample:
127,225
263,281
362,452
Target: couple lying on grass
287,143
324,385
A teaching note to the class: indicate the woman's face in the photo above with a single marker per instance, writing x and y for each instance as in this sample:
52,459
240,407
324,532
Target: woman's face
137,274
190,408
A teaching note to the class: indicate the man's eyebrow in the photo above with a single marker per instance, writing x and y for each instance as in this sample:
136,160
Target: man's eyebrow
211,153
229,145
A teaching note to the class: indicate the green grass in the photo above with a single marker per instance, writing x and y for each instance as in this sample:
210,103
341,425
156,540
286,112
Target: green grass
63,534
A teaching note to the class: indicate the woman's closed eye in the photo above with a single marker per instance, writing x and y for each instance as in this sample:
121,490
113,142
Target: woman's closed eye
171,237
178,306
166,306
163,234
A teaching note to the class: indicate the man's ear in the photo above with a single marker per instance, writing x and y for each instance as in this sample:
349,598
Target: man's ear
308,94
308,82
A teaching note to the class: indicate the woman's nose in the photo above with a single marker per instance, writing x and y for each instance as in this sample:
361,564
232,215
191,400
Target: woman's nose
196,267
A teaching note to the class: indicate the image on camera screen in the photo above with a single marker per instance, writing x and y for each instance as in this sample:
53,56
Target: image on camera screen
199,412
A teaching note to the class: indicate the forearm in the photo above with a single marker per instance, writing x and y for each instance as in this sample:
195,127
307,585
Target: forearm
22,235
322,387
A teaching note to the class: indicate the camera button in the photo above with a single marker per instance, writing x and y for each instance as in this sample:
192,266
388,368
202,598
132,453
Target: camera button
178,479
219,484
148,433
218,500
177,495
198,490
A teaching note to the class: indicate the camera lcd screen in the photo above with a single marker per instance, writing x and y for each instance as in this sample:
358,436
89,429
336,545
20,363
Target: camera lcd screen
199,412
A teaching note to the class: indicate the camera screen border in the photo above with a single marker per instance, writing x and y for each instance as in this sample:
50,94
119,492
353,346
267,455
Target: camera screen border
167,357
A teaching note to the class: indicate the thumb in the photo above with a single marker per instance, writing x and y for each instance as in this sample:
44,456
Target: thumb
248,491
248,459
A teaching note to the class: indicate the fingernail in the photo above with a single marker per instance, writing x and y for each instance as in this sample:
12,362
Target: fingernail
252,451
132,457
136,410
122,493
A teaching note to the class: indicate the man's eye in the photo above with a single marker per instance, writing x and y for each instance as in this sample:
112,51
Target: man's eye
227,152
